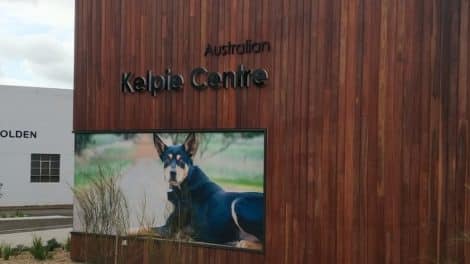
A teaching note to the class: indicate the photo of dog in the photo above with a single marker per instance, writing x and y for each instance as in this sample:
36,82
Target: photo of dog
196,187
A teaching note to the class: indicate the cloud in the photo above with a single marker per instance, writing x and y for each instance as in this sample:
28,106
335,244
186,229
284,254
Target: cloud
58,14
40,57
36,42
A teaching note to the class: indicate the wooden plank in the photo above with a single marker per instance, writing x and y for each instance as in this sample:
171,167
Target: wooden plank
463,159
373,194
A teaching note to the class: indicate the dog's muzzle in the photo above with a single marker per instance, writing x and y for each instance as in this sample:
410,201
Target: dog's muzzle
172,175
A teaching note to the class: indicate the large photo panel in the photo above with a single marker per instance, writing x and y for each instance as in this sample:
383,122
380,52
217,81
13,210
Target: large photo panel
192,186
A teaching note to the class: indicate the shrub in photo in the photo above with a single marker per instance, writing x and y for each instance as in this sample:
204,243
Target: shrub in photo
102,204
146,220
103,209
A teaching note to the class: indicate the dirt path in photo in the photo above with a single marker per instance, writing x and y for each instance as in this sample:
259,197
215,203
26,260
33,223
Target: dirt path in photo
143,182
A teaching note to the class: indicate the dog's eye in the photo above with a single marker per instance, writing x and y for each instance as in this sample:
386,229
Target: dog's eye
178,157
170,156
181,164
166,162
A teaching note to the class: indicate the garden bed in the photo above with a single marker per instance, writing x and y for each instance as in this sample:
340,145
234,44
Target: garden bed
58,256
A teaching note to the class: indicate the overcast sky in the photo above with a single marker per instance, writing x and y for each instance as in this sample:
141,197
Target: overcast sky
36,43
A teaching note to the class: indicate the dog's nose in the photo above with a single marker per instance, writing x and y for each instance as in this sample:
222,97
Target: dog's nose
173,175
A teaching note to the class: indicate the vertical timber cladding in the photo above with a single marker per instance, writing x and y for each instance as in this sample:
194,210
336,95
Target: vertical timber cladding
366,109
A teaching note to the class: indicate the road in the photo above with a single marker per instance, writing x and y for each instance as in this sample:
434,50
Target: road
26,224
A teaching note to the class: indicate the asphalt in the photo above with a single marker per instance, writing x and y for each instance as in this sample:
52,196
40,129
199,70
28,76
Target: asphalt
28,224
36,220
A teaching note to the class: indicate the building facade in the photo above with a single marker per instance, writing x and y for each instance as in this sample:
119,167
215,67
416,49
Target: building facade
365,104
36,146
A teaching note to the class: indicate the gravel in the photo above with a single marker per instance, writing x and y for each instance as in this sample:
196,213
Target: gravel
59,256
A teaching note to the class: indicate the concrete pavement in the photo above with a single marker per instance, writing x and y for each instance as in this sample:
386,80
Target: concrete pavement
25,238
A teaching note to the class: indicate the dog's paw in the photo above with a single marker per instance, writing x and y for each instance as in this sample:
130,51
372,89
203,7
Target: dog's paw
141,231
162,231
249,244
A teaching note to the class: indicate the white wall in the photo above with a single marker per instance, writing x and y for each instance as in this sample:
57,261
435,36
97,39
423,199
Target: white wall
49,112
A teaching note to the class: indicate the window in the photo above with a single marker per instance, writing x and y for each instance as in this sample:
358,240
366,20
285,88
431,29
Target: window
45,167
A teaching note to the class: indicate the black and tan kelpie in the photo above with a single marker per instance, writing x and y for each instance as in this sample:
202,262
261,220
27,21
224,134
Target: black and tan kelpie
201,207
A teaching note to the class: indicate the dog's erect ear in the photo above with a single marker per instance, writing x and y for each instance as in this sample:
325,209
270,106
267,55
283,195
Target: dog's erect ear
159,145
190,144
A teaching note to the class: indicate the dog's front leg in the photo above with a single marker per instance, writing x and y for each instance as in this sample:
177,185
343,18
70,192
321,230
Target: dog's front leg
167,229
178,217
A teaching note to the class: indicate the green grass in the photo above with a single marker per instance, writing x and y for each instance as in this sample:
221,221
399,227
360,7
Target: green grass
240,177
241,174
15,214
240,149
105,139
114,159
83,175
7,251
246,184
240,166
20,214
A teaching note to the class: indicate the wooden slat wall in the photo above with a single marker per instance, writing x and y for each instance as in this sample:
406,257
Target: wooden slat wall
367,111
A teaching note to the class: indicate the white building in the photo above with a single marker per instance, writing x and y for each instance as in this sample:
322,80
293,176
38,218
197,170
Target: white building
36,146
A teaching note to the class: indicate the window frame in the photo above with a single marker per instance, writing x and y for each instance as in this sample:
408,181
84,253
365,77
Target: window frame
45,168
